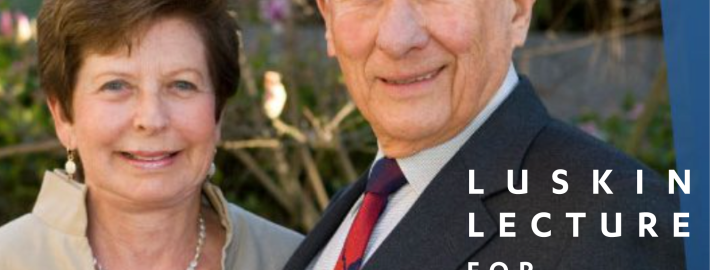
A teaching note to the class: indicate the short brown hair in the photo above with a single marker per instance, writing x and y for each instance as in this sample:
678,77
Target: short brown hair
68,29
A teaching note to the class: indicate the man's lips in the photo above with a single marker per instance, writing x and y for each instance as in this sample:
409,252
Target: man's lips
411,79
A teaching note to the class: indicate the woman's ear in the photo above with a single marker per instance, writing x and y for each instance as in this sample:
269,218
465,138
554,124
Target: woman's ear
63,126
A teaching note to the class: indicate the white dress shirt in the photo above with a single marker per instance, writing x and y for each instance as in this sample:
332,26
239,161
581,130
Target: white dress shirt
419,169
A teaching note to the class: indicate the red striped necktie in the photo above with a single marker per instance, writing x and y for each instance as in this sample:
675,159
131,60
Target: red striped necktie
385,179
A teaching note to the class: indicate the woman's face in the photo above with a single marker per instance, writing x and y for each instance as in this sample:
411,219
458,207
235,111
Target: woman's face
144,120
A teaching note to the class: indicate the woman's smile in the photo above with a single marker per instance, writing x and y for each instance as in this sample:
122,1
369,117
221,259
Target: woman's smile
150,160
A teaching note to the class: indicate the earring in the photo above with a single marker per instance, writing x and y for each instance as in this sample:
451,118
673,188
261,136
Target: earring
213,168
212,171
70,166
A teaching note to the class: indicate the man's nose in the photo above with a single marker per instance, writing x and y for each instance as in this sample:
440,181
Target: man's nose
402,29
151,112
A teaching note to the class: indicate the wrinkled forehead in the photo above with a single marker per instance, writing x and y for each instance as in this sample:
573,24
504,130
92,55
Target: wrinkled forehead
468,8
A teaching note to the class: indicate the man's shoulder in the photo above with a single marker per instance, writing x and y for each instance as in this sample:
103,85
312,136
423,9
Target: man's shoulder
564,144
560,146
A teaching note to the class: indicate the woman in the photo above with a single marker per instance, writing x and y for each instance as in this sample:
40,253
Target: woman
136,89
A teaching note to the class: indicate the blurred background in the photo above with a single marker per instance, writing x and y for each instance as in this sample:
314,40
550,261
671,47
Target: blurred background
291,136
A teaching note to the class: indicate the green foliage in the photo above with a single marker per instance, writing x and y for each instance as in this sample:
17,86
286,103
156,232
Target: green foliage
24,120
656,146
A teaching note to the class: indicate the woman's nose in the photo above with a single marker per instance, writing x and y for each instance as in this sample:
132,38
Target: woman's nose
151,113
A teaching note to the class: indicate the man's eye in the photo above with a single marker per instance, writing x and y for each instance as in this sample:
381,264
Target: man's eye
116,85
184,85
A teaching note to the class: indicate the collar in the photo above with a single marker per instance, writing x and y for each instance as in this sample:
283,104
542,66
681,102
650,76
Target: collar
421,168
61,204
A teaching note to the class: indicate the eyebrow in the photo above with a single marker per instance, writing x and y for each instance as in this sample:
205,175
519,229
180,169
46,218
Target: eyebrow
97,77
186,70
199,74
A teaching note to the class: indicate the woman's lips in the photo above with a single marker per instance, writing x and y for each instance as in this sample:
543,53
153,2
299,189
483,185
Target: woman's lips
149,160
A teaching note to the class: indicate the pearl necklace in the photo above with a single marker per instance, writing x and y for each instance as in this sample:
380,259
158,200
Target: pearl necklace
198,250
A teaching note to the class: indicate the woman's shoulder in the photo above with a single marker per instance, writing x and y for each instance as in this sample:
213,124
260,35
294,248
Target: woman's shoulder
19,238
258,242
17,230
248,222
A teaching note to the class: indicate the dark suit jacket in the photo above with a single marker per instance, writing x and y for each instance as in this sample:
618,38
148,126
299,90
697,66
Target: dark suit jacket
521,135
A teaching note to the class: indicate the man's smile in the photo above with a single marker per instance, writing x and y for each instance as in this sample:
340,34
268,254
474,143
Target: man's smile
411,78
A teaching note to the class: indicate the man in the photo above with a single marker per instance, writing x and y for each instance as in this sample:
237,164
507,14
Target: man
435,80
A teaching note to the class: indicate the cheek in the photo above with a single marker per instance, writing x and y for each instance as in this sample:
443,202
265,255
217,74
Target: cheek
464,27
353,35
458,35
195,121
99,123
358,89
354,44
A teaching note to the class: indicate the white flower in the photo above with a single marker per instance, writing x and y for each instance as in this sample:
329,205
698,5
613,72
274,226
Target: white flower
275,96
24,28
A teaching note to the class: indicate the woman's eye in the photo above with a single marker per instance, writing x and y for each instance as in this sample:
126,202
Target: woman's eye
116,85
184,86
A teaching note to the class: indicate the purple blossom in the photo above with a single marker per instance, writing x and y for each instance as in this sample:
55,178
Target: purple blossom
275,11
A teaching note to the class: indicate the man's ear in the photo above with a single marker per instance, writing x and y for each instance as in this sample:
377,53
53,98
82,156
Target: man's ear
324,8
62,125
521,21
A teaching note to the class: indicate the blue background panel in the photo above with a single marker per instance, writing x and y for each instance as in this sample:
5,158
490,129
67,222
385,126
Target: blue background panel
686,36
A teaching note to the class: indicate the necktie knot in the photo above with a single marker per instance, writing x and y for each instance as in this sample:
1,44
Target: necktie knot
386,177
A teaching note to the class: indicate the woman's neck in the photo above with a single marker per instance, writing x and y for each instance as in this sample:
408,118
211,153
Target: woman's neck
124,236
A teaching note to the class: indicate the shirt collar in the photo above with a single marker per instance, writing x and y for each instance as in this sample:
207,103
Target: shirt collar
421,168
61,204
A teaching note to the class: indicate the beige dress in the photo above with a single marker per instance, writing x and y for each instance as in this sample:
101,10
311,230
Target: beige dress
53,236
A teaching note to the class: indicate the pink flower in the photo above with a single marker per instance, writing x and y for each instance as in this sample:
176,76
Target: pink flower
592,129
636,112
6,27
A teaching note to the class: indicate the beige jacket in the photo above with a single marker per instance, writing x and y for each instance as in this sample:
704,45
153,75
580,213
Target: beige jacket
53,236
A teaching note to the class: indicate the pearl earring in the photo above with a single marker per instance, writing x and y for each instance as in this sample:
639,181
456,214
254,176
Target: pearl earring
212,171
70,166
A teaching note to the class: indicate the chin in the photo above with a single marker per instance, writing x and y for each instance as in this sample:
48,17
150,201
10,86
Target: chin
157,190
415,138
416,126
157,196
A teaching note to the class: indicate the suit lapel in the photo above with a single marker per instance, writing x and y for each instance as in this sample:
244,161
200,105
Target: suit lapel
434,233
326,227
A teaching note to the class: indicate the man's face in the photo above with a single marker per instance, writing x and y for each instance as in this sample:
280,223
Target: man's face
421,70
